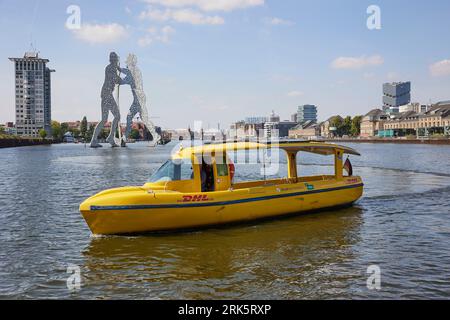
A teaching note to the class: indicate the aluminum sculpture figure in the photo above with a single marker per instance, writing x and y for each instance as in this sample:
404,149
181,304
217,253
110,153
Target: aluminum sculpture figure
133,77
112,79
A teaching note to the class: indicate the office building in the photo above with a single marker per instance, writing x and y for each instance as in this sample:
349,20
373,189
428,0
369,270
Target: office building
33,95
284,127
271,130
396,94
255,120
294,117
274,117
307,112
416,107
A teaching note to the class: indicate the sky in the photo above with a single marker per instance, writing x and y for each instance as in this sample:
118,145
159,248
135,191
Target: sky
221,61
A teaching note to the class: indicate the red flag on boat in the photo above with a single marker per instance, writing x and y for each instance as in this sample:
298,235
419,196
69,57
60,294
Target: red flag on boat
348,167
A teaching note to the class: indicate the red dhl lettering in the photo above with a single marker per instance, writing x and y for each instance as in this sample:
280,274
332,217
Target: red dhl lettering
195,198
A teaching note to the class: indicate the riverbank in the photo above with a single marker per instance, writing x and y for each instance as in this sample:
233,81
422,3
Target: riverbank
394,140
11,142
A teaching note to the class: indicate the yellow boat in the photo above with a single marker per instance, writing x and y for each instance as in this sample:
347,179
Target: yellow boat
196,188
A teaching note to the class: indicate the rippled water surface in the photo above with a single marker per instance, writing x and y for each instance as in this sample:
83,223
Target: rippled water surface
402,224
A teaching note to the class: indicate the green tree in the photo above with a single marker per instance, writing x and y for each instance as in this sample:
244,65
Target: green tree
104,134
64,129
89,133
356,126
346,126
337,123
56,130
135,134
83,127
42,133
75,132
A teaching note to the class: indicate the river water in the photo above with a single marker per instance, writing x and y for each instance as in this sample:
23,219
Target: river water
401,225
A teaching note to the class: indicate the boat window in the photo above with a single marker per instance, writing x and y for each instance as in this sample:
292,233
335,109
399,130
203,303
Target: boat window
222,166
310,164
173,170
250,165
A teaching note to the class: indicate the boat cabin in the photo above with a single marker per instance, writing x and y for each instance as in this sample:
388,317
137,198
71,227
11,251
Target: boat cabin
208,168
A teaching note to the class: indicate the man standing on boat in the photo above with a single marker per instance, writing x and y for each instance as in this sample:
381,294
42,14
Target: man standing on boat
112,78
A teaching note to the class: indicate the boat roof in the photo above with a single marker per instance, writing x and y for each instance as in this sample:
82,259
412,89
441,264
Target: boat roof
322,148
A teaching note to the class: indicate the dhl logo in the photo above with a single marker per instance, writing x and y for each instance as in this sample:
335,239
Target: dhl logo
195,198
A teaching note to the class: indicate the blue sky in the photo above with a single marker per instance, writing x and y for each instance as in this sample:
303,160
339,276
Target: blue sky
223,60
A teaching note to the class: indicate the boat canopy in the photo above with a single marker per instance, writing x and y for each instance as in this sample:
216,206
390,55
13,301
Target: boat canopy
321,148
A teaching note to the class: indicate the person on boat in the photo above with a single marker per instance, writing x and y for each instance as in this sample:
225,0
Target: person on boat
207,177
203,176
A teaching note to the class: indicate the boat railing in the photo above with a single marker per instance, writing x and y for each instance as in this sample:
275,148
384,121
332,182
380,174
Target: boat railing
281,181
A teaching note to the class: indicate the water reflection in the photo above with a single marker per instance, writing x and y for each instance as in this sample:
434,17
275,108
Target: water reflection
218,263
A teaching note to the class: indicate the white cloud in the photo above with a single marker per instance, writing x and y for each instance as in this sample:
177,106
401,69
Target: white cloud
295,93
357,62
101,33
209,5
279,22
155,14
156,35
192,11
440,68
194,17
181,16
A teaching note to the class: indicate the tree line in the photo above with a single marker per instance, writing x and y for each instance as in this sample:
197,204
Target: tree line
83,133
348,126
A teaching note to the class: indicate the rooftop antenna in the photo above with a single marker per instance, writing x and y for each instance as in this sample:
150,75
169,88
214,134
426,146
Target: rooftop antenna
32,47
33,21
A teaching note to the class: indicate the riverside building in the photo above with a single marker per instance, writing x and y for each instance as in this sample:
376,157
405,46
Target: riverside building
33,95
435,121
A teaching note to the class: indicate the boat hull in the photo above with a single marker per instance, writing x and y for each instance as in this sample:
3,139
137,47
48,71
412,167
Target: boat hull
135,210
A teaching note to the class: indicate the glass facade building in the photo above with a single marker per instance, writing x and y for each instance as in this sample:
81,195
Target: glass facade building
396,94
307,112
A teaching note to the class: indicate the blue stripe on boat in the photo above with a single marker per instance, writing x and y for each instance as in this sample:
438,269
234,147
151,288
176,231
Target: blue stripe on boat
222,203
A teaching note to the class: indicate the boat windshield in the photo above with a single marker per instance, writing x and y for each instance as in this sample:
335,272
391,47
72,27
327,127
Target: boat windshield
173,170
